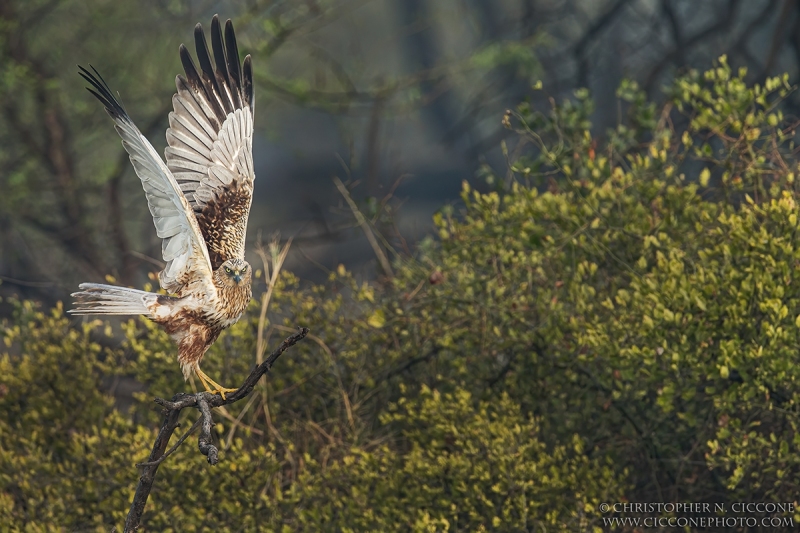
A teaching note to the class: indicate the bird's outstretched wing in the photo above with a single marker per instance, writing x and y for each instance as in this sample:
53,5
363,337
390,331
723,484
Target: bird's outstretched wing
182,247
210,140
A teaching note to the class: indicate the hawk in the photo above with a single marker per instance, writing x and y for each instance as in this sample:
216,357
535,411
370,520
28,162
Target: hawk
200,201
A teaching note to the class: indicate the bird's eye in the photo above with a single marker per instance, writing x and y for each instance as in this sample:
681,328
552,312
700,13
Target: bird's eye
244,269
228,270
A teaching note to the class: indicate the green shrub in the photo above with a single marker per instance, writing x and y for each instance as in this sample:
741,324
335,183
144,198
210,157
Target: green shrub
618,321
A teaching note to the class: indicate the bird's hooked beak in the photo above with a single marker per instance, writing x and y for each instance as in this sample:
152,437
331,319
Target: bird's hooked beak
237,277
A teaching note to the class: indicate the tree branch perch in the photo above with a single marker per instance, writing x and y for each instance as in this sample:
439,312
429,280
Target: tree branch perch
203,402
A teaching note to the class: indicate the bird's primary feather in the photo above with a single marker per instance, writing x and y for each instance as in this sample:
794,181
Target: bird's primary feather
210,139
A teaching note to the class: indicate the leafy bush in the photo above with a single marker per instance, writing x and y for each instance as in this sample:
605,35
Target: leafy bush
618,321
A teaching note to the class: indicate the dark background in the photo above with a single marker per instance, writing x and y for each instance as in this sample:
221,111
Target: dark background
401,99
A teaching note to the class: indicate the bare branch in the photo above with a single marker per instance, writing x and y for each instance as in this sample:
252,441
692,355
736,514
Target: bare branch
713,29
675,28
205,443
581,47
149,475
204,402
779,36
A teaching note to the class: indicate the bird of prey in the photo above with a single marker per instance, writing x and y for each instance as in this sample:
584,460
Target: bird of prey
200,200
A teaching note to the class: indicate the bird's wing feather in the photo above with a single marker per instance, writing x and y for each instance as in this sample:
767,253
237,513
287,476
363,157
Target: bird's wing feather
210,140
182,246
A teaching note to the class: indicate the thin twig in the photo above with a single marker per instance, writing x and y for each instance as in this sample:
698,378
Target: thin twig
362,221
175,447
238,420
278,258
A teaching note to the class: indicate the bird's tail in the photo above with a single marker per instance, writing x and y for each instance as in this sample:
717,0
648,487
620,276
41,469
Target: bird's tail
97,299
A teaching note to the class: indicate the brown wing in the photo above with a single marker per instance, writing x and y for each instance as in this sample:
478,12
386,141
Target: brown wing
210,140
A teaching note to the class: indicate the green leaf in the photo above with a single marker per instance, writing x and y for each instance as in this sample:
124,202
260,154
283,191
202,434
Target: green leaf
705,176
377,319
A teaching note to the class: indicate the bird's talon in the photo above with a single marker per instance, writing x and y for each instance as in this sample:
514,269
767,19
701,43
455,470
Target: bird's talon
208,383
222,391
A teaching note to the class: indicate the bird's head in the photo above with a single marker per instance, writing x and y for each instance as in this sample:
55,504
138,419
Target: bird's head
236,272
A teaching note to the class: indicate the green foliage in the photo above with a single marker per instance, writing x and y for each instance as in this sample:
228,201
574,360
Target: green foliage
462,467
65,453
617,322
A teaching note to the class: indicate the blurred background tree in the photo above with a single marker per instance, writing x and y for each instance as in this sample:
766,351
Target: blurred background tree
399,97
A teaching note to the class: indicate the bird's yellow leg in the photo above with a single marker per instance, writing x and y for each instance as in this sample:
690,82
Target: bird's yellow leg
206,381
202,380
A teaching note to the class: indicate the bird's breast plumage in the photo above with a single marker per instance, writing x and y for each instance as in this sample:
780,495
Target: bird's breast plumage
231,303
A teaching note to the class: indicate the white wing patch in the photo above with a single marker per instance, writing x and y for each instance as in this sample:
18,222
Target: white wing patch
182,246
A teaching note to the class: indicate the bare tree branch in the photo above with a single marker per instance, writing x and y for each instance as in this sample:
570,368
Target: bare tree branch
581,47
740,45
778,36
723,24
376,247
675,28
